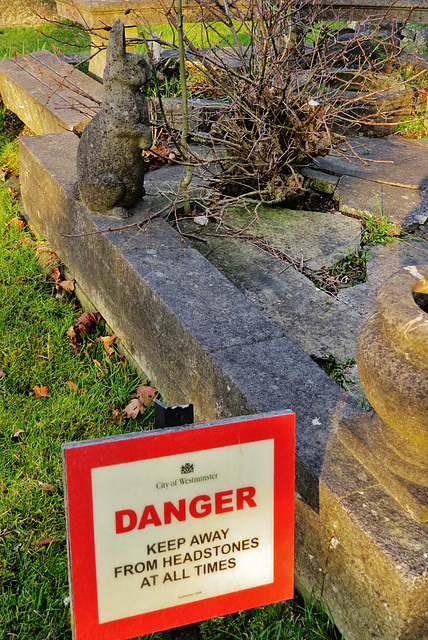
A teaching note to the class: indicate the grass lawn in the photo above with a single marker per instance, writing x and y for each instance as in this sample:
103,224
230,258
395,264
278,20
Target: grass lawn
52,37
36,357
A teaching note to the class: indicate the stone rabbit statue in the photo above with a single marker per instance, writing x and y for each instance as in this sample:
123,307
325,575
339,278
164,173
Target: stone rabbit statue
110,169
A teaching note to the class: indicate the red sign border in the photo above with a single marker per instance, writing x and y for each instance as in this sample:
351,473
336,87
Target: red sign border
79,458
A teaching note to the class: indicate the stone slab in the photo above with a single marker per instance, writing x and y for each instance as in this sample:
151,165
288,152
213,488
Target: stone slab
364,604
369,524
320,239
320,181
48,95
278,373
402,10
179,316
21,13
320,324
358,608
391,160
382,262
362,435
405,208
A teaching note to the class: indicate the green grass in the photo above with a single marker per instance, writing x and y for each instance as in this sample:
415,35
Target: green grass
216,35
377,229
415,127
294,620
35,350
52,37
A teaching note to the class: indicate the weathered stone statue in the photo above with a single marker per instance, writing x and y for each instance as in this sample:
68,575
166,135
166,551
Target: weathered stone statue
110,169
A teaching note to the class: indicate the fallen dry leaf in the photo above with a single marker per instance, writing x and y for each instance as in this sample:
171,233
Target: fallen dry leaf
74,389
41,392
12,192
67,285
81,327
39,543
17,222
47,258
46,486
143,398
86,322
18,435
72,385
55,274
107,342
133,408
146,394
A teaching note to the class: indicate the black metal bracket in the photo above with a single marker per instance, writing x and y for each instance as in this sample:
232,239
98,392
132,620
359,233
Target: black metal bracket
173,416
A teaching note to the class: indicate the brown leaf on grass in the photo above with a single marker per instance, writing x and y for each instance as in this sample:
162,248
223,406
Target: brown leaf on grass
143,398
74,389
81,327
55,274
86,322
40,392
17,222
67,285
117,415
107,342
146,394
46,486
18,435
40,543
133,408
48,259
12,192
73,339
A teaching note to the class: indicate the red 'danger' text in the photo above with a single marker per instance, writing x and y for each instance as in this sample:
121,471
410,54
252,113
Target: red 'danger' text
199,507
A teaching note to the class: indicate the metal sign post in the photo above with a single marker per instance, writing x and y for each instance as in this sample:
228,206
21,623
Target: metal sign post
176,416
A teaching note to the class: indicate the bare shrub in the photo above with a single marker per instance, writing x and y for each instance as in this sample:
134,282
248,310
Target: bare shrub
298,85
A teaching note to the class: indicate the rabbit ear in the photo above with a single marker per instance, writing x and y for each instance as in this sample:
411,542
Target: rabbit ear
116,48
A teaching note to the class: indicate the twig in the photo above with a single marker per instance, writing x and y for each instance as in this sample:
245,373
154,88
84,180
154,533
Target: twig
111,229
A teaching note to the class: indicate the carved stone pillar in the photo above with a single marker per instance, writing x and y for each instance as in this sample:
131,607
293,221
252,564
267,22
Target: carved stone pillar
392,357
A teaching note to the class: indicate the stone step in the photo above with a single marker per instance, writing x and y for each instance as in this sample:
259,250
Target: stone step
320,324
318,239
48,95
393,160
405,208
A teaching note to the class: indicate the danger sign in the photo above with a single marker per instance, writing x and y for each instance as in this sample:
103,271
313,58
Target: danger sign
170,527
